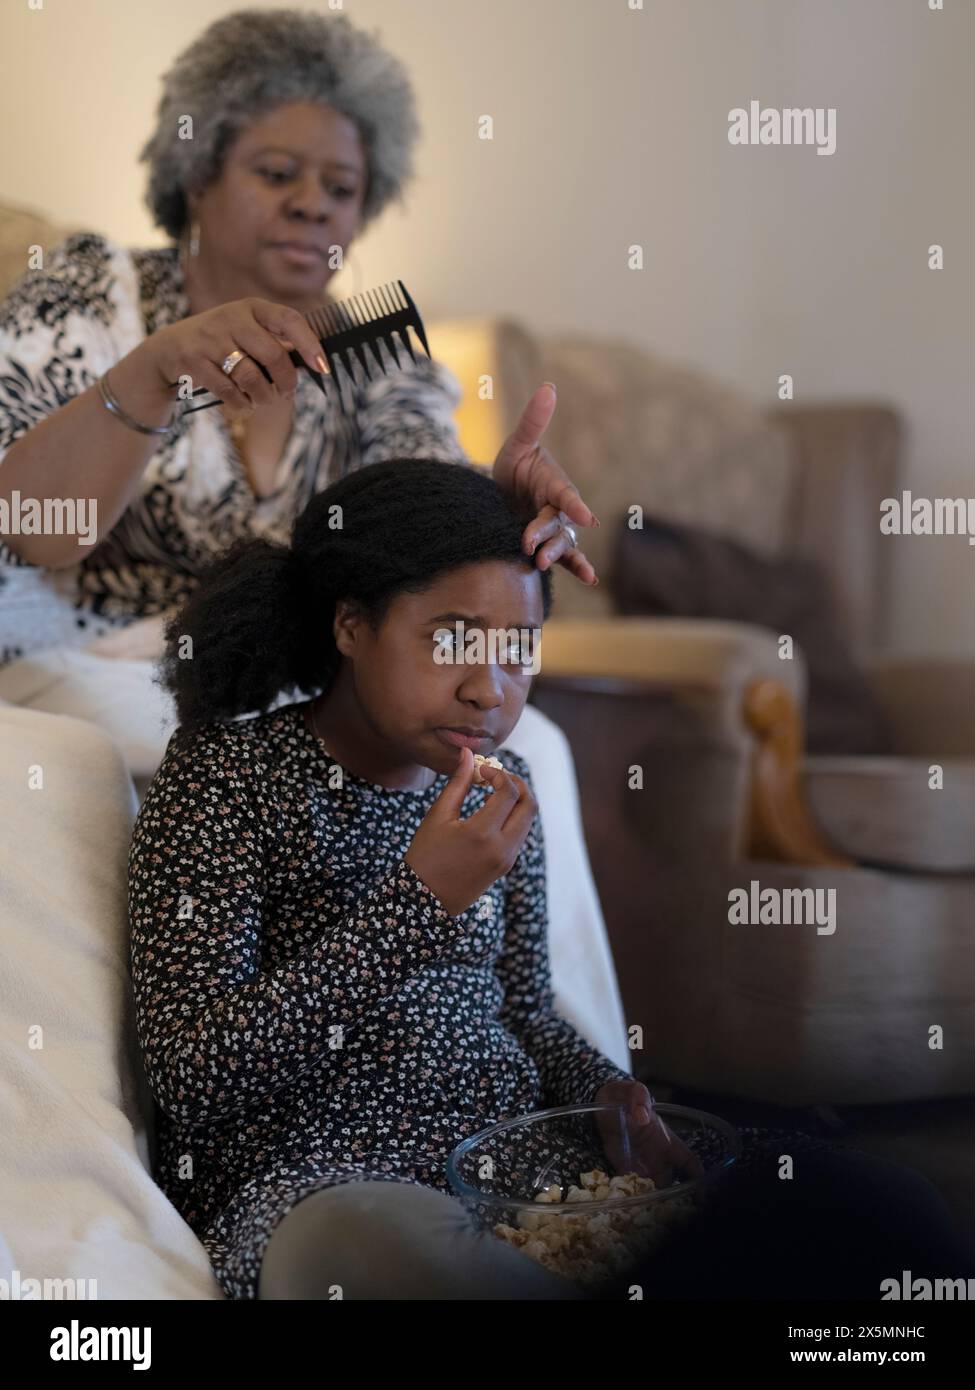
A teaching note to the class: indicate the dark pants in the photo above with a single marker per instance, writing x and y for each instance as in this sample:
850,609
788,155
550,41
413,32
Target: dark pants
846,1221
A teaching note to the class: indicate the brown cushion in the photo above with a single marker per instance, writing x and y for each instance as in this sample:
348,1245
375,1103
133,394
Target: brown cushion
680,571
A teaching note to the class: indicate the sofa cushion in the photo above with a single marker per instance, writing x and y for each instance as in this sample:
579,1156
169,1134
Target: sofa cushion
883,811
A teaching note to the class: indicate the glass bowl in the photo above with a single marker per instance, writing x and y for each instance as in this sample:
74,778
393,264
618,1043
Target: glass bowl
498,1172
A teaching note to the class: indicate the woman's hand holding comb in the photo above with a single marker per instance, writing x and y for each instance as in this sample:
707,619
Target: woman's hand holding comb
264,331
526,468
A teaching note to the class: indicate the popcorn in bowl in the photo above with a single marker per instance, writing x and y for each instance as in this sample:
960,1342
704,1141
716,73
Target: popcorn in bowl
590,1248
541,1182
480,758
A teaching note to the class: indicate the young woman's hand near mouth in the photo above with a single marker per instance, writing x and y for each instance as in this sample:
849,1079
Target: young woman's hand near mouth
457,859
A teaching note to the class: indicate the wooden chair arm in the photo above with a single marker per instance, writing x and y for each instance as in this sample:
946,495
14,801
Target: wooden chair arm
780,824
776,823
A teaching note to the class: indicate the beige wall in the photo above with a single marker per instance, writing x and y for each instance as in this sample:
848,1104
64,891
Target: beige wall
610,129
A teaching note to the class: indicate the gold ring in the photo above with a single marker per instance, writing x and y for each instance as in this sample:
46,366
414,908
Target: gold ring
230,362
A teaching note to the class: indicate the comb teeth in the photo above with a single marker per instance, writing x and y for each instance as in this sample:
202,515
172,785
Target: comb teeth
352,330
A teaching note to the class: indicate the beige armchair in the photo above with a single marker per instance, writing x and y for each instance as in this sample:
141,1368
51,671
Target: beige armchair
714,721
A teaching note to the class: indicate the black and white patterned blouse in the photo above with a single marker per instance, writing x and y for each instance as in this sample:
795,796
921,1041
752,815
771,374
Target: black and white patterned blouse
60,329
308,1011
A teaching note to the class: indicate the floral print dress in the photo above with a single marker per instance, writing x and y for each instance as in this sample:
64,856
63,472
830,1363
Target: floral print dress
308,1011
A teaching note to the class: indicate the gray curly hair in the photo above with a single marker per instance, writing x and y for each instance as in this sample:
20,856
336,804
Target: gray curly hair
253,61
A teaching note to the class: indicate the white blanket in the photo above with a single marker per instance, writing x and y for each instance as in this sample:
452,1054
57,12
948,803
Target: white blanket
76,1199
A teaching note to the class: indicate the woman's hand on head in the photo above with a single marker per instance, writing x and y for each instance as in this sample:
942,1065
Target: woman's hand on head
265,332
654,1151
457,859
525,468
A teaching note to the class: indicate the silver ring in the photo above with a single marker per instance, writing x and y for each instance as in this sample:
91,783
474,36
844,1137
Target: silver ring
230,362
570,532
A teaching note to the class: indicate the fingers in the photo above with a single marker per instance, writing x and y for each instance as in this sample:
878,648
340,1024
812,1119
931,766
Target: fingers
686,1161
245,386
556,545
290,324
551,487
562,551
641,1103
547,524
250,381
640,1155
507,814
577,563
560,503
652,1159
637,1148
267,333
262,348
535,417
666,1157
650,1149
448,804
648,1146
555,503
510,794
223,386
616,1156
